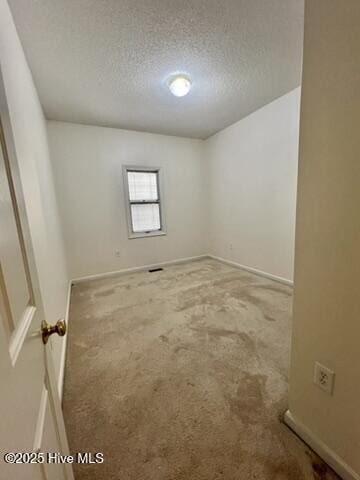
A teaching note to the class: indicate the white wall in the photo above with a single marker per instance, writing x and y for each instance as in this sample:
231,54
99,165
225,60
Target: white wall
326,324
30,136
88,163
252,188
237,189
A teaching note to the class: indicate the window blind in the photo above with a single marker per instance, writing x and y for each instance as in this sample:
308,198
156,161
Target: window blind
144,201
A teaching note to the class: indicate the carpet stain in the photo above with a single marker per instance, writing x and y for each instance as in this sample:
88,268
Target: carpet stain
182,375
105,293
321,471
217,333
248,402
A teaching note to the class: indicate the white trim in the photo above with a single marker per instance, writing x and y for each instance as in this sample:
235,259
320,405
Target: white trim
285,281
151,233
40,422
137,269
56,412
328,455
141,268
19,335
60,384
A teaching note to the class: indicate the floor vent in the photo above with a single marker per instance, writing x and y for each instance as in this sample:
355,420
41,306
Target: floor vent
152,270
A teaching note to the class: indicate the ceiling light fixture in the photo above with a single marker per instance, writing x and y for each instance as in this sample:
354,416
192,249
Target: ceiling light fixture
180,85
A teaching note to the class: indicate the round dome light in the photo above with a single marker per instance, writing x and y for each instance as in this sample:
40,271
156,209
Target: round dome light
180,85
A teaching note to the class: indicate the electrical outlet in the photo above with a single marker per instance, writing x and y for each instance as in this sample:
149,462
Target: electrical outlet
324,378
117,253
230,246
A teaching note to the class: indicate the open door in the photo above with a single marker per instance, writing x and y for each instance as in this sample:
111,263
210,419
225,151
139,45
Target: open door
30,412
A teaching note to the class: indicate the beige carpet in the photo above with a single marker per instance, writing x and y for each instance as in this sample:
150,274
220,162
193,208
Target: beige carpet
182,374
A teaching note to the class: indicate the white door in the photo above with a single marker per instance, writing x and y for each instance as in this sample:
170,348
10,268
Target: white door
30,413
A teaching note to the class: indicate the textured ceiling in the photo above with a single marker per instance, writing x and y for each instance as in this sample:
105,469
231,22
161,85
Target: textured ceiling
107,62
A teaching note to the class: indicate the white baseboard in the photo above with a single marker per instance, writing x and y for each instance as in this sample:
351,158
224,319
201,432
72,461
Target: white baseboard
329,456
141,268
137,269
285,281
64,346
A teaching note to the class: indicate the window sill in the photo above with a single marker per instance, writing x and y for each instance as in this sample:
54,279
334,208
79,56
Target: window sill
158,233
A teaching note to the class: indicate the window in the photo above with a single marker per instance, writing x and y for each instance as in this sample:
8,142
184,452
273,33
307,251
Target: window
144,206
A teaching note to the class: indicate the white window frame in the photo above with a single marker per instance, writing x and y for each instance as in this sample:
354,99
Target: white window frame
158,171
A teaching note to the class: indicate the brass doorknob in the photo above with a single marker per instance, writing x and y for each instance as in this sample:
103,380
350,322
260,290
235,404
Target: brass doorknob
47,329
